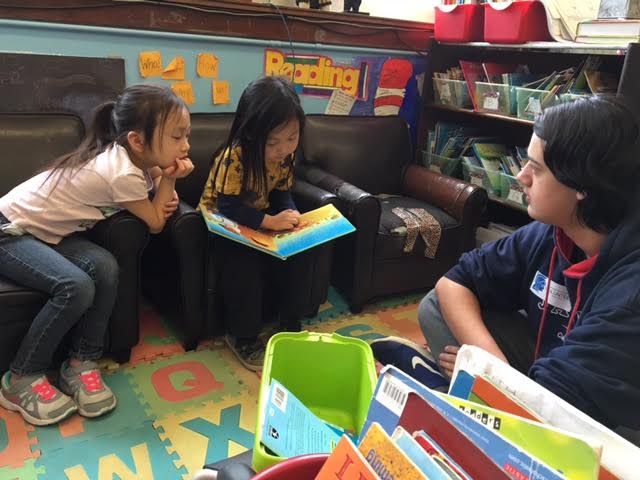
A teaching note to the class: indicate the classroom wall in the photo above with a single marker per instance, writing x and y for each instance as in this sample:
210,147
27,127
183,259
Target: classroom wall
240,60
416,10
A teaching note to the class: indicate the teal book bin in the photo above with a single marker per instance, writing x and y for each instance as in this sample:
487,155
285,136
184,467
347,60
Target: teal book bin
334,376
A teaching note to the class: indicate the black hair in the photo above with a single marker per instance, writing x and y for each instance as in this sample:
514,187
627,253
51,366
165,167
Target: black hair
266,103
592,145
138,108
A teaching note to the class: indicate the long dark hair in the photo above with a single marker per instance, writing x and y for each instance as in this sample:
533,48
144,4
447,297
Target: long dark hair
138,108
592,145
265,104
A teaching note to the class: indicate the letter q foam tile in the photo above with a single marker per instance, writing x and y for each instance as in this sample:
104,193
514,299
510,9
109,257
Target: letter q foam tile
171,385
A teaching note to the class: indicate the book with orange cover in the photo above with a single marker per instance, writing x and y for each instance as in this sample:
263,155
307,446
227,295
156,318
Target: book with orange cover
385,457
315,228
346,463
494,397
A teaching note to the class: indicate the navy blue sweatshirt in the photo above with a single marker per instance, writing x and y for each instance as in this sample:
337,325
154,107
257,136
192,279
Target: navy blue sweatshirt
590,340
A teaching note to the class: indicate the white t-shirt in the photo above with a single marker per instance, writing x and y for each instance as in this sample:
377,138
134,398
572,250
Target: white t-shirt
80,198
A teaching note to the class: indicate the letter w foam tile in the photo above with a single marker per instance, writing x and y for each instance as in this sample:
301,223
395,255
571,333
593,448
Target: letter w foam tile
76,430
135,454
16,444
175,384
211,432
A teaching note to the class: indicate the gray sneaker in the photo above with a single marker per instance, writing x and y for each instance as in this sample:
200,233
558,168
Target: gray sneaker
39,402
250,354
84,384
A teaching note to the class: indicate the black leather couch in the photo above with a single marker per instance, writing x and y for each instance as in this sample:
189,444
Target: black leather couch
367,162
179,275
26,142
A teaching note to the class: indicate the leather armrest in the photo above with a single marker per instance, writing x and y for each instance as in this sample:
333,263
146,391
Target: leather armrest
121,234
460,199
456,197
350,197
309,197
185,229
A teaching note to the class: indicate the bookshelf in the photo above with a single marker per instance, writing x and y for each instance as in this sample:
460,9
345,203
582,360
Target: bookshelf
541,57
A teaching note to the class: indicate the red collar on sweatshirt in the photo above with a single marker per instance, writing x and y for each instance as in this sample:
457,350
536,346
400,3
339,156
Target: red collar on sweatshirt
565,246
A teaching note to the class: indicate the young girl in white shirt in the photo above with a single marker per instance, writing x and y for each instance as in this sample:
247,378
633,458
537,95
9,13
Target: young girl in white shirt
135,144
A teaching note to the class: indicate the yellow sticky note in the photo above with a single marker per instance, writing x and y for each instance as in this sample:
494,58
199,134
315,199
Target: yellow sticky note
220,90
175,70
150,64
185,91
207,65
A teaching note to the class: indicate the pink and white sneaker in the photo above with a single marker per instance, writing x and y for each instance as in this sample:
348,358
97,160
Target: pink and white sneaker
84,384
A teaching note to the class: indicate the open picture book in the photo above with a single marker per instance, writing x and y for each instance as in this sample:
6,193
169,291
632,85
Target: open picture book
315,228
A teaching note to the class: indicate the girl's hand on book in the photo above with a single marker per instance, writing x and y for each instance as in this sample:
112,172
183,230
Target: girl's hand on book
180,169
285,220
447,359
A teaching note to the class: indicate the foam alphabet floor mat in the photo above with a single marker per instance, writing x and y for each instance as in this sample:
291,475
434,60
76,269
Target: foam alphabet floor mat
176,410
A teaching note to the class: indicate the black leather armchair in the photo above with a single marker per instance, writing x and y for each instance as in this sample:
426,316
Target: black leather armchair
26,142
367,163
179,275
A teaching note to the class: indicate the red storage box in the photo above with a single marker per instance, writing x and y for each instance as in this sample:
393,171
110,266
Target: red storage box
515,22
459,23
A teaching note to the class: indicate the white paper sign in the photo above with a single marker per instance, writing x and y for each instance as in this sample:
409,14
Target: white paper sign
491,102
515,195
340,103
445,92
534,106
476,179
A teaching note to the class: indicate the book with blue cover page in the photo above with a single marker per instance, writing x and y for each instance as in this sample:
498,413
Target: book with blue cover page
290,428
315,228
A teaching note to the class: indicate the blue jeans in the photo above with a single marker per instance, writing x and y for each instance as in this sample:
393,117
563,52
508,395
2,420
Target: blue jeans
81,280
510,330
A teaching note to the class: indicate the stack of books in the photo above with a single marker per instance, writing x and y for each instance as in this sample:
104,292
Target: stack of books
495,423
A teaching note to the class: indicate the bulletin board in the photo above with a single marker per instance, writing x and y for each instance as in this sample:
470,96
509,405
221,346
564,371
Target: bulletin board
56,83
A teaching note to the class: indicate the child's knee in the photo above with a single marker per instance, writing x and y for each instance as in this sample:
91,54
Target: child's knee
77,291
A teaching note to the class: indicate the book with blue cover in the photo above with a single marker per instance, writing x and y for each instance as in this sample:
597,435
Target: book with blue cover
315,228
290,428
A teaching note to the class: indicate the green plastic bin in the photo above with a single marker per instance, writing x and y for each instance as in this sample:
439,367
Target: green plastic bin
334,376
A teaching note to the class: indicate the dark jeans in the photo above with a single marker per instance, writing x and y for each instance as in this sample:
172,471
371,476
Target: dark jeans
81,280
510,330
256,285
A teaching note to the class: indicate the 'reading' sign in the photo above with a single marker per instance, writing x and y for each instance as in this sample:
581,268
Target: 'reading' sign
317,74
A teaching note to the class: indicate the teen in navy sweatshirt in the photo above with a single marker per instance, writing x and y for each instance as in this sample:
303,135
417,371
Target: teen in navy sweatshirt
573,273
581,184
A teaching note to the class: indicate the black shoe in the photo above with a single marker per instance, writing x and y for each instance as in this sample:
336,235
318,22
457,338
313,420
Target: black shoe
250,353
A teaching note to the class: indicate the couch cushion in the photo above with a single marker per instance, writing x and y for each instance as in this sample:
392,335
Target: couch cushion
14,295
392,231
208,132
29,140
